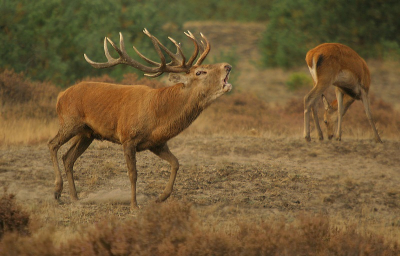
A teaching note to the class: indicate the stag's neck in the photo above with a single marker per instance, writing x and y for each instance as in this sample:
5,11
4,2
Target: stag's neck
176,108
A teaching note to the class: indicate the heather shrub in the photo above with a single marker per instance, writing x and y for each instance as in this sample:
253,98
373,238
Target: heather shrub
12,217
173,228
22,98
160,229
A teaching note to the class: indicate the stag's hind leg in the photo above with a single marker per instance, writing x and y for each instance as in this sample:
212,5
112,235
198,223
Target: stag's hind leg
164,153
79,145
54,145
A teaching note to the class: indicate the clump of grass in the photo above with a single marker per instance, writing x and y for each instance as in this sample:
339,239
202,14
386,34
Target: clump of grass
298,81
12,217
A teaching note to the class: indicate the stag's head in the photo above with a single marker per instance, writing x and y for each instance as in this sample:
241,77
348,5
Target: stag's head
330,117
206,81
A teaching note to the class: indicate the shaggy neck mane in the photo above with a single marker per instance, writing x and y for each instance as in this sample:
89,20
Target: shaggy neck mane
177,108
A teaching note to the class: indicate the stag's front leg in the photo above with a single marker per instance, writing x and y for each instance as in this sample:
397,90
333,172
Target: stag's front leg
130,157
164,153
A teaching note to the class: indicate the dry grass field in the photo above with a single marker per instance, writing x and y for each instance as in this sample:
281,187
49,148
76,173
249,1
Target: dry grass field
248,184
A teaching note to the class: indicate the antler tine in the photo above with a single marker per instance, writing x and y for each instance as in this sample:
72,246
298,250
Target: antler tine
106,52
119,51
205,51
158,50
145,58
179,53
123,57
111,61
154,75
175,58
196,50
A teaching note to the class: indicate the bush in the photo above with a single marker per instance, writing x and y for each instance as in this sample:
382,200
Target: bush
298,81
22,98
12,217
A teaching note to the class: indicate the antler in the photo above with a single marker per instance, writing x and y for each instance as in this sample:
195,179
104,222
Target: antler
178,62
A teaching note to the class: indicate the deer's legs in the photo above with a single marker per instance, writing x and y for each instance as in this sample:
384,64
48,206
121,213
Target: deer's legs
316,122
130,157
79,145
54,145
310,101
339,98
164,153
365,101
309,105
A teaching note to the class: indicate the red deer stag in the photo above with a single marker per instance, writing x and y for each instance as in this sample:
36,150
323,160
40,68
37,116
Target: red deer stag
138,117
338,65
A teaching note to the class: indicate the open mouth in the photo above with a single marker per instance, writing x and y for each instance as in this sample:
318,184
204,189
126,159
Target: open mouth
226,86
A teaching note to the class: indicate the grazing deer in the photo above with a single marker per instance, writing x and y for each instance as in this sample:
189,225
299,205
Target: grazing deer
138,117
338,65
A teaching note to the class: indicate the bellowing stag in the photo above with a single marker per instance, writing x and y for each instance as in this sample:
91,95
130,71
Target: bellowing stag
137,117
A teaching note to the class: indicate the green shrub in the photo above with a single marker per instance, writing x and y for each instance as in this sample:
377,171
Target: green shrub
298,80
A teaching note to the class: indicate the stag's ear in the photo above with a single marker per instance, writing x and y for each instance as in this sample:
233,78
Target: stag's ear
177,78
326,103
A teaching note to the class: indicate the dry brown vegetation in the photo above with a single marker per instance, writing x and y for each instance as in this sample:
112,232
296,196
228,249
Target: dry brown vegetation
175,229
248,185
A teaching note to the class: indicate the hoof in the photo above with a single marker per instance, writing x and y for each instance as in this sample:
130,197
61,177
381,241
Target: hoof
57,195
134,208
307,138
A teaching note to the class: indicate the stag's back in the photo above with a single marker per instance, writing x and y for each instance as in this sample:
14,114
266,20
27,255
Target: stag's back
107,109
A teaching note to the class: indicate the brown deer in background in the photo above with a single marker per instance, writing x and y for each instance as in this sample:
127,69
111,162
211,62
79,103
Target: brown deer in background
338,65
138,117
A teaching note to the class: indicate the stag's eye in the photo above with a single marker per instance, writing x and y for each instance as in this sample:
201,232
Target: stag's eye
326,122
200,72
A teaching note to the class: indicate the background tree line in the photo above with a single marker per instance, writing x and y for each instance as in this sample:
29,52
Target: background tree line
369,27
46,39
